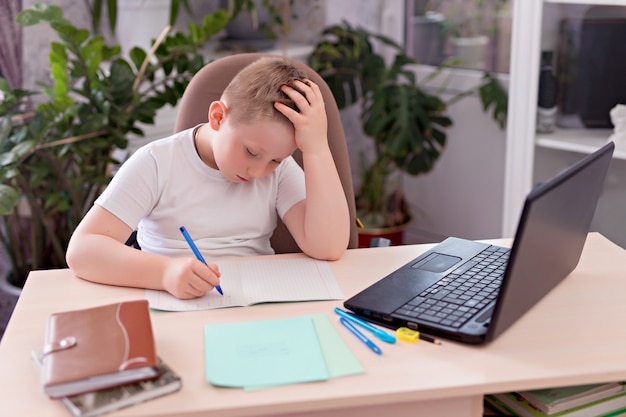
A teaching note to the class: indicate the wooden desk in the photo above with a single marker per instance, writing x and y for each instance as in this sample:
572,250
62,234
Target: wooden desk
575,335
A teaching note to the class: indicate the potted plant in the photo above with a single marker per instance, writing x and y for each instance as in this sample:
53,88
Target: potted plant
406,123
470,25
57,155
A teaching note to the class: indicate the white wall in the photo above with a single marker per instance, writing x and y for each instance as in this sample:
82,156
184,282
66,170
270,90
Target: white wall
463,194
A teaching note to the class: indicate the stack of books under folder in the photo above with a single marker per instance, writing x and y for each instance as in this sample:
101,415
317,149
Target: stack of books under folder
603,400
103,358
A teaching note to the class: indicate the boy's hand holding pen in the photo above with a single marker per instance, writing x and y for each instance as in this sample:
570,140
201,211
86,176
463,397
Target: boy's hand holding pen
198,255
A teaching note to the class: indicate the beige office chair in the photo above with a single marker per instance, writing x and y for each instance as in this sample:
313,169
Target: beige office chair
207,86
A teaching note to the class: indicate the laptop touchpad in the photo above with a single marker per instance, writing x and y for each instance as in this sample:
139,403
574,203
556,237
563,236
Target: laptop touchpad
438,263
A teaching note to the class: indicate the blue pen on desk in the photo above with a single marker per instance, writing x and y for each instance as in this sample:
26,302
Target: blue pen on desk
381,334
360,335
196,252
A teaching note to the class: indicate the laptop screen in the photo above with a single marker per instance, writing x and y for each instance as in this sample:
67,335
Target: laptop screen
553,226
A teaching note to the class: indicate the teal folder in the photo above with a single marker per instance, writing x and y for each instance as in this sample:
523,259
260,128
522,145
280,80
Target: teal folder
268,353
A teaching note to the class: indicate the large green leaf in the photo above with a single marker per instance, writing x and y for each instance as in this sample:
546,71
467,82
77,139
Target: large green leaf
5,129
16,153
40,12
9,198
493,96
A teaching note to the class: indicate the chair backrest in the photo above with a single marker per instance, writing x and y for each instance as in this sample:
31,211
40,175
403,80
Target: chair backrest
207,85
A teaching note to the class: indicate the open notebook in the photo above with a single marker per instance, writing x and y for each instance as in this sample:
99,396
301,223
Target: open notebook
257,281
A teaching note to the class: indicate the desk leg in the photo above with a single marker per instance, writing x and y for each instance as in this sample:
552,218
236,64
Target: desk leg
445,407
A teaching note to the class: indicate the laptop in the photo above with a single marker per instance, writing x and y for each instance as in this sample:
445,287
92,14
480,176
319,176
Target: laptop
471,291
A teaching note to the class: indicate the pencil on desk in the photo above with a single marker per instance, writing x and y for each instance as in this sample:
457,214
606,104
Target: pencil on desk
429,339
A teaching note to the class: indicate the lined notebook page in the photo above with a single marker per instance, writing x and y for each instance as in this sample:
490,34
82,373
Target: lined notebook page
257,281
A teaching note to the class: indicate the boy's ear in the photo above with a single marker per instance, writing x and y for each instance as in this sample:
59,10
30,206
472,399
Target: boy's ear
217,112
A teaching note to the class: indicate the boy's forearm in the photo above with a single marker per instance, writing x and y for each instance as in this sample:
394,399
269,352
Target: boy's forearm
104,260
327,220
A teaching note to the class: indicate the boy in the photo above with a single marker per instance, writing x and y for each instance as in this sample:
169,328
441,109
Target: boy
224,181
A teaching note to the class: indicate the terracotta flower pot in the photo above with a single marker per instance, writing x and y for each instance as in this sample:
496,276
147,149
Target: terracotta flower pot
393,233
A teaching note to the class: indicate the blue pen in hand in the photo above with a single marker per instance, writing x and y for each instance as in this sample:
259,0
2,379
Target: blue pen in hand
196,252
381,334
360,335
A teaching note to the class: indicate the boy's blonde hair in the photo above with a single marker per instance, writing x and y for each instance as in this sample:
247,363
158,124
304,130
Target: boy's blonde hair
251,94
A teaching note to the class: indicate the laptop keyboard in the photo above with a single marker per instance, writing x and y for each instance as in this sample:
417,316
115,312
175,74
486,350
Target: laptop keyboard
457,297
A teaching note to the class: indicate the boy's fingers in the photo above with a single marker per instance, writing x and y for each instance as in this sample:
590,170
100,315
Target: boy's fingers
300,96
309,89
215,269
200,284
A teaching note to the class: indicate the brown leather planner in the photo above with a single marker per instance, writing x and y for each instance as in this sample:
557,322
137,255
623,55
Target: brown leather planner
99,347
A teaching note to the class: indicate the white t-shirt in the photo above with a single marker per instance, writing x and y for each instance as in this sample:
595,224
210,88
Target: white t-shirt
165,185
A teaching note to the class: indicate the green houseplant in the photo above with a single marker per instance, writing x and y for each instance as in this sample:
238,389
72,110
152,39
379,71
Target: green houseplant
406,123
57,155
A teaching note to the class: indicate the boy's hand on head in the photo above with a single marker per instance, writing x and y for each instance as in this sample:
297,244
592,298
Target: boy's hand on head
187,278
310,123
